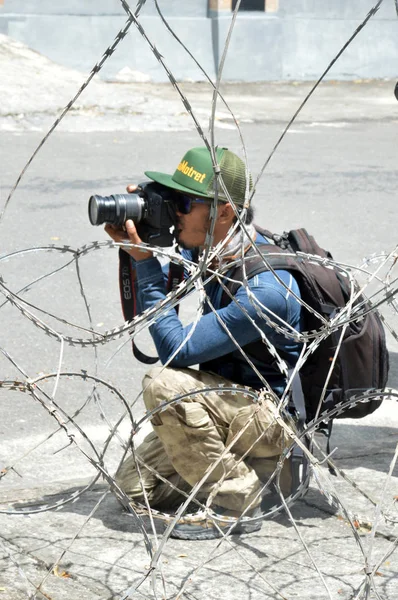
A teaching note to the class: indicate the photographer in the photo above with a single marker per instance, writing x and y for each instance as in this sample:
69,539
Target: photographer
190,436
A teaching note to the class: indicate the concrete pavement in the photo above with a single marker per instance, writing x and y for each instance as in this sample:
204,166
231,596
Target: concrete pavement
35,91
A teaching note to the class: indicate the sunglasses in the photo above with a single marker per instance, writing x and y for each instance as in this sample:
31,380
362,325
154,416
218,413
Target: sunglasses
184,203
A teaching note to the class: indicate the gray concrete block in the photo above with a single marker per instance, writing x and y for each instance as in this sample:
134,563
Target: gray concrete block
102,7
79,42
296,42
256,48
337,9
176,8
72,7
310,46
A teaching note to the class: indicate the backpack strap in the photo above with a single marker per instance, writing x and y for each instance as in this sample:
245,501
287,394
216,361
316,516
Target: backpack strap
254,264
264,232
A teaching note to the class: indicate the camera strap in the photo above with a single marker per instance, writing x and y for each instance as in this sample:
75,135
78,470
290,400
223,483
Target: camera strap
128,295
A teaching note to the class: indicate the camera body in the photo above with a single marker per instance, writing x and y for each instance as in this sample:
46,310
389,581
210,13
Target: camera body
151,208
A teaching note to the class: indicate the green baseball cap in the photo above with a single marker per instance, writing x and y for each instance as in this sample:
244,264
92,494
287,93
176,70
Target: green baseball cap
195,174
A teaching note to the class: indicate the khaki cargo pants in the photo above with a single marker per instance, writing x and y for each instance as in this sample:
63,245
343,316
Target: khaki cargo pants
189,437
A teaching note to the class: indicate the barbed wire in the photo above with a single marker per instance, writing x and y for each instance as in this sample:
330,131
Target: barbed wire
372,286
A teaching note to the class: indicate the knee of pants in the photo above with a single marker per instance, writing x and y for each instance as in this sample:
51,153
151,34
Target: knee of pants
154,384
127,477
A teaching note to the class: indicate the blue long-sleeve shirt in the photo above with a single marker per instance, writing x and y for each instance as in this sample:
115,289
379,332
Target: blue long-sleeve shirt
210,340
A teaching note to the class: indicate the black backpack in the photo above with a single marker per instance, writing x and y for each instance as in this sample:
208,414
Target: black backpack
362,362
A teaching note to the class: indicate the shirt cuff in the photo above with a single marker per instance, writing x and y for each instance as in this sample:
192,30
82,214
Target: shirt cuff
148,268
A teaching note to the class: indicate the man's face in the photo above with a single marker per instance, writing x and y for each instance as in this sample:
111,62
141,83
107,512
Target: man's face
191,228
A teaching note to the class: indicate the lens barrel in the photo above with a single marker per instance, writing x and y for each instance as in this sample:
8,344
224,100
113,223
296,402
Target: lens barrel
115,209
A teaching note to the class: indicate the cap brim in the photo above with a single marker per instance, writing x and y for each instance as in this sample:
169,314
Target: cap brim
168,181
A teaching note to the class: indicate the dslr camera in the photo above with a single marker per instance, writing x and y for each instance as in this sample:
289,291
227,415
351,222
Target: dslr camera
151,208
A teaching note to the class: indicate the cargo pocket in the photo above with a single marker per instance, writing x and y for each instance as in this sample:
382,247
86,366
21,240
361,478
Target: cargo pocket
193,414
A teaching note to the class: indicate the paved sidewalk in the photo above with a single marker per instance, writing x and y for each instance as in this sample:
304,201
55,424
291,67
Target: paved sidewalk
105,555
35,91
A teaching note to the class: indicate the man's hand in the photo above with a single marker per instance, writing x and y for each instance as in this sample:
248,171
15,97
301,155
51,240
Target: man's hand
128,233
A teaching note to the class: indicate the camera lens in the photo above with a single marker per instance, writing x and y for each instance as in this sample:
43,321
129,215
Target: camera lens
93,210
115,209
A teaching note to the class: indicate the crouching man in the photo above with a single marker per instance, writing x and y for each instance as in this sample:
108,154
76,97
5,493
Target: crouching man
193,437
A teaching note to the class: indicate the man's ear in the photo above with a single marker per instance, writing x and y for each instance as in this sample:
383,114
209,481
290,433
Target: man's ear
225,213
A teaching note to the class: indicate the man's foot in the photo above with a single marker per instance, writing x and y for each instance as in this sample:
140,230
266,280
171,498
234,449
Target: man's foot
200,526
